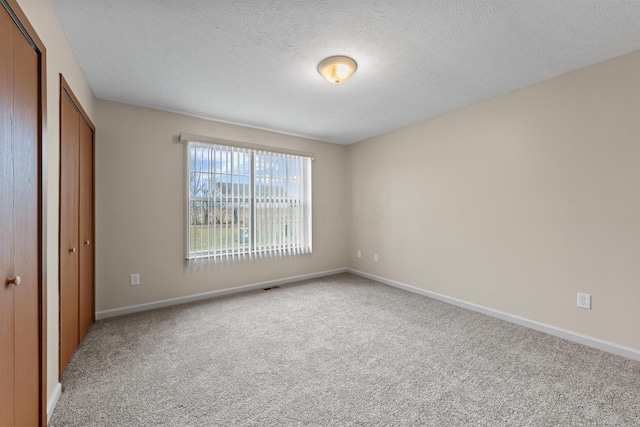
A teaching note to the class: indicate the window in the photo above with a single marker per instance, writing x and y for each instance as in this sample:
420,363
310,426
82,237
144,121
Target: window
247,203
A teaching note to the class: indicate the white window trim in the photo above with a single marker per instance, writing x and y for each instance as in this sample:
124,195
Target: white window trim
255,252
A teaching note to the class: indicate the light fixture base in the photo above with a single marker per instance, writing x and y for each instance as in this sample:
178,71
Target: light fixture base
337,69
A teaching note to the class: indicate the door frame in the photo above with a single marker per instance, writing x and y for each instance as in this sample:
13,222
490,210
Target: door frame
66,92
23,24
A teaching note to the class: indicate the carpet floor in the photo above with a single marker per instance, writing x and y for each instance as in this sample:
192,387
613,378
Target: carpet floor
338,351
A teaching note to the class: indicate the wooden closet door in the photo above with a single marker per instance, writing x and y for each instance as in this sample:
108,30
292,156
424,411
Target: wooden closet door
86,229
69,238
76,224
7,350
25,218
19,226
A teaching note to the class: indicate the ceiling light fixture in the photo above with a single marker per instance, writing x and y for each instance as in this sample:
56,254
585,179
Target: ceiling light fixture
337,69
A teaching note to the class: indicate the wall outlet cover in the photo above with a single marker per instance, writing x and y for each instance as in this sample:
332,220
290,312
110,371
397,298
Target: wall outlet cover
135,279
584,300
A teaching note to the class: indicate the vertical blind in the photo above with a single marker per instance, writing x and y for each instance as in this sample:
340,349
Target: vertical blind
245,203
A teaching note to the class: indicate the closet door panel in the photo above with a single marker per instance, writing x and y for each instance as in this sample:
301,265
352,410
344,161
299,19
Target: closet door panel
22,332
25,242
76,224
69,248
7,360
86,228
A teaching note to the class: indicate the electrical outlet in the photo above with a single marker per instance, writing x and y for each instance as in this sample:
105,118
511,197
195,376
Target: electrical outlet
584,300
135,279
359,253
375,257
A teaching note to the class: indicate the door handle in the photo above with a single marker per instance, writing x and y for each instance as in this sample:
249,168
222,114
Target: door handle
15,281
86,243
72,250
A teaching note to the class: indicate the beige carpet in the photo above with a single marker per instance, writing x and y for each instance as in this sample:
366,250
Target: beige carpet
338,351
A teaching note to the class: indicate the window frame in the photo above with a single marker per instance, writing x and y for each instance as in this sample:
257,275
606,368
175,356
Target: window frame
254,250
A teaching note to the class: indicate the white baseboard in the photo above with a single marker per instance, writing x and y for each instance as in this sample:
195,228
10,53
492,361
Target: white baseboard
532,324
213,294
52,401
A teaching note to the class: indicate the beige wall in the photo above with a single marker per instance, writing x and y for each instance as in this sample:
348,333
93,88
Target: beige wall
139,208
516,203
60,59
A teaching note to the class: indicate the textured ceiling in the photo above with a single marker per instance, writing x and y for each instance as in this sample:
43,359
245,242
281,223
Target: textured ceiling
253,62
